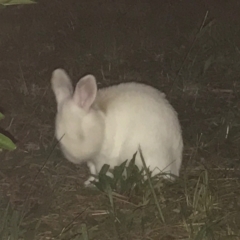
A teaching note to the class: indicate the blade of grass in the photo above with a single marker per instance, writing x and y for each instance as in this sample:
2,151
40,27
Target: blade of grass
161,217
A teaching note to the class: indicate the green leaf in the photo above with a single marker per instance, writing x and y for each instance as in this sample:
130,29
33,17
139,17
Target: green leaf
6,143
15,2
118,172
104,169
103,183
132,168
1,116
103,179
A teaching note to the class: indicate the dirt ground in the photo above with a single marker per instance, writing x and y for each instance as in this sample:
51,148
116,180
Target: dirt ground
188,49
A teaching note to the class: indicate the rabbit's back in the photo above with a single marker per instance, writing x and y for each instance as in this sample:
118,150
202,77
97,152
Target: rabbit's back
137,114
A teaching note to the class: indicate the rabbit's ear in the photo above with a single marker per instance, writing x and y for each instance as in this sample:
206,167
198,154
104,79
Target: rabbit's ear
61,85
85,92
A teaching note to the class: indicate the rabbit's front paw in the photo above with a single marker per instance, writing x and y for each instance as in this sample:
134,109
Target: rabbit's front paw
89,183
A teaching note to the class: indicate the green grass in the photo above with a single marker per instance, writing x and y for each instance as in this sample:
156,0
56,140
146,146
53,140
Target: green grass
193,58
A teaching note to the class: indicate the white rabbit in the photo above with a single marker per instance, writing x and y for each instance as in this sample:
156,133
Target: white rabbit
107,126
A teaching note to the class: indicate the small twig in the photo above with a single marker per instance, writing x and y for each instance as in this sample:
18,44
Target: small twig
66,228
100,212
124,201
221,90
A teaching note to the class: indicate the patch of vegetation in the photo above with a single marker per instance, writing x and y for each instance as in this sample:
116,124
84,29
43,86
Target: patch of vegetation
183,50
15,2
5,142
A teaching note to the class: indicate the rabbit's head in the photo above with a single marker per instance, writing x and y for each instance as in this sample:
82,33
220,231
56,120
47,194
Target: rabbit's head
79,125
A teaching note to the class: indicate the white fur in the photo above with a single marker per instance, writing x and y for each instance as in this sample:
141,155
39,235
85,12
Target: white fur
107,126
